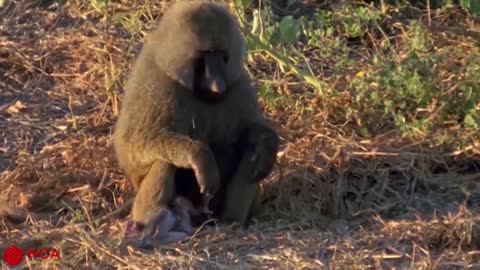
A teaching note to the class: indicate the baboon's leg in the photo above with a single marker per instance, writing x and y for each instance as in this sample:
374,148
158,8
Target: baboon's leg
156,190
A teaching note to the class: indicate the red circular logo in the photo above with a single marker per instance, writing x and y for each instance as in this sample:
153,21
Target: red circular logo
13,255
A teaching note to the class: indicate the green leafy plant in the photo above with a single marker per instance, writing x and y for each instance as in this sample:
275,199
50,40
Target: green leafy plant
472,5
99,5
289,30
243,3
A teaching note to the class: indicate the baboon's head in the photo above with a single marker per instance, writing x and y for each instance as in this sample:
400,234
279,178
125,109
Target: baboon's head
199,44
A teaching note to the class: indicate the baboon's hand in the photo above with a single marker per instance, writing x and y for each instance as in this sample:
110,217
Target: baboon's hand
264,154
206,170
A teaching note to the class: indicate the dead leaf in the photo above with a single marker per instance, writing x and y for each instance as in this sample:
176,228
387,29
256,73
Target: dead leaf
16,108
24,200
68,157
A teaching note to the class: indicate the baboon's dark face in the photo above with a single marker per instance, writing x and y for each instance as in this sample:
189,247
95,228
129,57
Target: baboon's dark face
209,81
199,44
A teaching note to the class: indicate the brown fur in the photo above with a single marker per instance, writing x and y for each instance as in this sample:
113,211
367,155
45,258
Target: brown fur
163,127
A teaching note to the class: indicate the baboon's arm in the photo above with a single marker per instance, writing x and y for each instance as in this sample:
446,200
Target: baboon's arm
259,143
258,138
183,152
257,161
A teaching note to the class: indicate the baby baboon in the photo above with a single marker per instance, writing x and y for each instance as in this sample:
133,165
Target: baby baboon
190,123
172,224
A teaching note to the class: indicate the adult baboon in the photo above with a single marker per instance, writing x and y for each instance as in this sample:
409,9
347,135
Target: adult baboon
190,123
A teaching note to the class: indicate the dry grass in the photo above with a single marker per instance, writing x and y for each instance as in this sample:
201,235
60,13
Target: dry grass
335,200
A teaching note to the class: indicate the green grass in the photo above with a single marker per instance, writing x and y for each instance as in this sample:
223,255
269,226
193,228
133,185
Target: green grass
398,75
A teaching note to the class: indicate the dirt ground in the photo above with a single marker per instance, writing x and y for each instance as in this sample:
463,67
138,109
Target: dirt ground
334,201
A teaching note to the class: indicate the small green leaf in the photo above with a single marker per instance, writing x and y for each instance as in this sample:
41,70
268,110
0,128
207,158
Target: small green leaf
469,105
288,30
364,132
470,121
268,33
